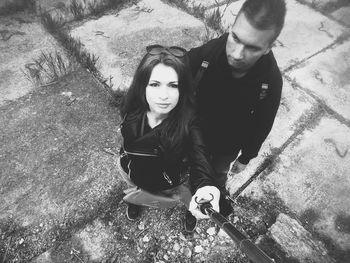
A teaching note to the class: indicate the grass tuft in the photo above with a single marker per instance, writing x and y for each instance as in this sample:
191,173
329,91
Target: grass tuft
98,8
198,11
48,68
208,34
212,21
77,52
56,26
52,25
73,46
77,9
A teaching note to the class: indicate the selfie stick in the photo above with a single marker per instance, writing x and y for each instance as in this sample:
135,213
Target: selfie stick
255,254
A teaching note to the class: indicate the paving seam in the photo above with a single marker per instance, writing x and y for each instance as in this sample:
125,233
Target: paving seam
340,40
324,13
321,102
312,118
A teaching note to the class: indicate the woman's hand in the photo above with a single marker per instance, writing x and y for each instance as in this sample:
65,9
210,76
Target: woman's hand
204,193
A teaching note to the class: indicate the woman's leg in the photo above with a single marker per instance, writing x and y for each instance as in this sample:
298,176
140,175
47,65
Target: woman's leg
125,176
132,210
184,195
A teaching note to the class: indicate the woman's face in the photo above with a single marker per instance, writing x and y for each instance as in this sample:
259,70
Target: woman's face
162,93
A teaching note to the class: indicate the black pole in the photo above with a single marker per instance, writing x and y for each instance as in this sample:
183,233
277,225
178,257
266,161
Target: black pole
254,253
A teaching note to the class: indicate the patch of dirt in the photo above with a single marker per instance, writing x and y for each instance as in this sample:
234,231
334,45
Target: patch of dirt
156,237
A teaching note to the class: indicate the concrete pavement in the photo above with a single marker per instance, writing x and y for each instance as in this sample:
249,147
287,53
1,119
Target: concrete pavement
58,178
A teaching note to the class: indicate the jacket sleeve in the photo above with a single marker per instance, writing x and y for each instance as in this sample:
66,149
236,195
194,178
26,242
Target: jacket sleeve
201,171
262,119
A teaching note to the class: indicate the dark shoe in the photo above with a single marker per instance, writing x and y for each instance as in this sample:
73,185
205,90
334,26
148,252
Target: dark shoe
225,207
132,211
190,222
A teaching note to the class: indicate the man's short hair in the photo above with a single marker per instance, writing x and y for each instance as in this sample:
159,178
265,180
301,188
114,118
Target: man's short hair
265,14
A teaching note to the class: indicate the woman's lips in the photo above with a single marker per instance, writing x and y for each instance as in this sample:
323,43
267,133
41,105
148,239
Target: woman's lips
163,105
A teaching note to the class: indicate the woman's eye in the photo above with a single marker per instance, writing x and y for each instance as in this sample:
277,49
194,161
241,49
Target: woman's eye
175,86
234,38
153,84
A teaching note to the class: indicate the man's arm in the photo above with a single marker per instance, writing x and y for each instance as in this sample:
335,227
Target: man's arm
262,119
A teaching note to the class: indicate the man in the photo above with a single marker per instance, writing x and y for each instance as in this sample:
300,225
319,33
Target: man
239,92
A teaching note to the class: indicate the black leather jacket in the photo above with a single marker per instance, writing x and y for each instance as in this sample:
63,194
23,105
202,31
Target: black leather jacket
152,167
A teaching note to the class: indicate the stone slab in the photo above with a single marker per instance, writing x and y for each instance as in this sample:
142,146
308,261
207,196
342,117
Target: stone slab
311,180
120,40
57,169
4,3
327,76
322,4
295,107
305,33
14,5
19,46
297,242
343,15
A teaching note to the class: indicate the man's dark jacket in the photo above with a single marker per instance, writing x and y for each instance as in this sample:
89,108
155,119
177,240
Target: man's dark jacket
236,114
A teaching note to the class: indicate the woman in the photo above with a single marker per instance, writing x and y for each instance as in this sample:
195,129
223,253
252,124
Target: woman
162,144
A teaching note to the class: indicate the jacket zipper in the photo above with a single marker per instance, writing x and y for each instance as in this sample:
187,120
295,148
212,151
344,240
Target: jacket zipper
141,154
167,178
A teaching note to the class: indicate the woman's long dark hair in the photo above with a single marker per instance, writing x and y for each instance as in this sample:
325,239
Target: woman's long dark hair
175,126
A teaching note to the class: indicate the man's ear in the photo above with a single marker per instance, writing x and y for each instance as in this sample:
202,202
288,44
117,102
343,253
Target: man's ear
273,44
268,49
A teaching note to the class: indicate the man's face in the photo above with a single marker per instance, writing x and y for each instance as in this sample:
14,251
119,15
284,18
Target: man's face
246,44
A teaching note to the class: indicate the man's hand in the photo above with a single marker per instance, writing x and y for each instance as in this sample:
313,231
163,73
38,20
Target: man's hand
235,168
204,193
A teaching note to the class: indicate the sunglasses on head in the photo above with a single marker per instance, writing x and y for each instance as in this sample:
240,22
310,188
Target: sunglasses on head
173,50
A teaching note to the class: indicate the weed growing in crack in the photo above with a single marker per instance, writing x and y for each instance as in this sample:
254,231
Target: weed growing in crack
77,9
97,8
48,68
198,11
115,4
181,4
52,25
73,46
212,21
193,9
76,51
208,35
